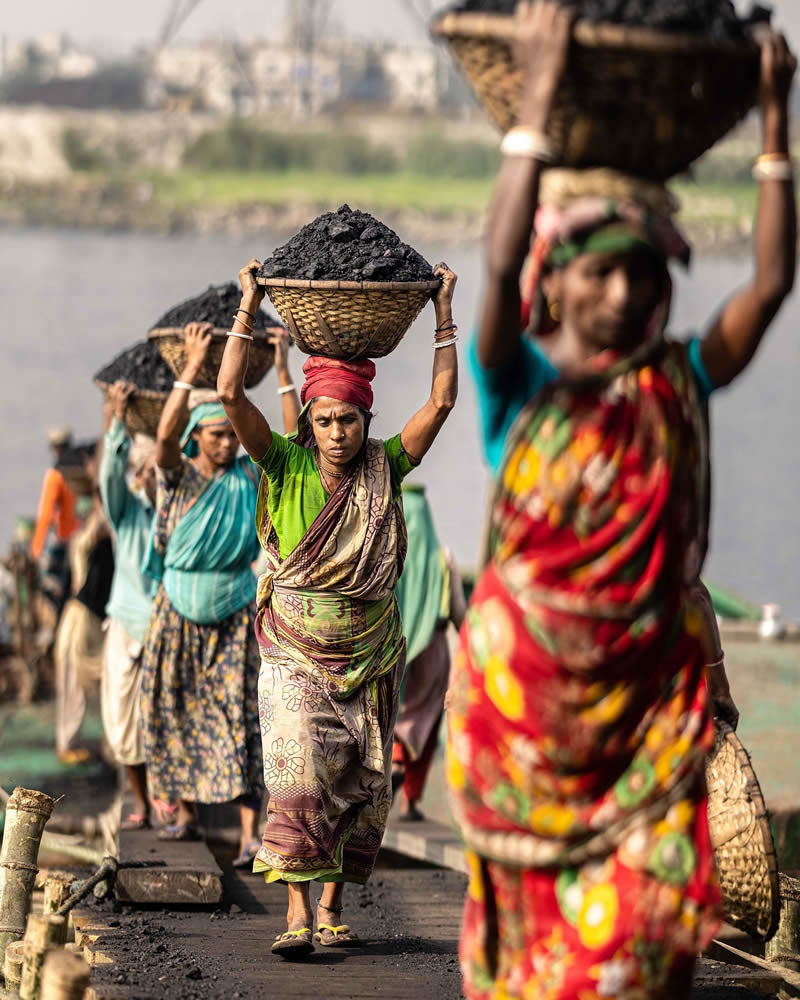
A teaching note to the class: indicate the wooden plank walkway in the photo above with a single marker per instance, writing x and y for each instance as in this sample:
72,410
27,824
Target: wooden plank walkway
178,873
408,918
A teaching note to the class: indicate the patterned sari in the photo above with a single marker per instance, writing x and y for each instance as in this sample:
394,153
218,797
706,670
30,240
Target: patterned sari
332,653
578,720
200,662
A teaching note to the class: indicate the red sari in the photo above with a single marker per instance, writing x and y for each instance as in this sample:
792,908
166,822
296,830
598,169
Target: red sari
578,720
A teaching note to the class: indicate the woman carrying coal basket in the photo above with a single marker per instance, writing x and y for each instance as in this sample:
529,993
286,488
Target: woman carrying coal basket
579,713
331,522
200,662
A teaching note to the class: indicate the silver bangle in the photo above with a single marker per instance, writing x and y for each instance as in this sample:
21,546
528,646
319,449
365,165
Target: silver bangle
444,343
282,390
774,170
183,385
241,336
526,142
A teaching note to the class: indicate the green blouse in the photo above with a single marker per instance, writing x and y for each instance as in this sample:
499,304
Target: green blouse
296,494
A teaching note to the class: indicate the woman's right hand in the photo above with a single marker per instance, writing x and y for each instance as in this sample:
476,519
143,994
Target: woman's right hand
119,396
197,340
542,35
252,292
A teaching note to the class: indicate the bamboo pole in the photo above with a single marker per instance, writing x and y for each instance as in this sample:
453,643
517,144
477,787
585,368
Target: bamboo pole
783,948
56,891
65,976
15,954
27,812
42,933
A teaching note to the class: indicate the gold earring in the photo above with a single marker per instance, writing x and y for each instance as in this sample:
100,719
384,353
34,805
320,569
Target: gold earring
554,308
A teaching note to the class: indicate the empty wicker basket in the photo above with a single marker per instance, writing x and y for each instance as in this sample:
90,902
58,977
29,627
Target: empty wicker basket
143,410
646,102
170,344
741,837
348,319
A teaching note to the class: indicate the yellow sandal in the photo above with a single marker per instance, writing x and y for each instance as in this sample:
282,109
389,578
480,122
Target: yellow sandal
338,937
294,944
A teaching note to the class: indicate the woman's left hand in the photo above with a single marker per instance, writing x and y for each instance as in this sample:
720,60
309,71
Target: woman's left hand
443,299
778,67
279,338
252,292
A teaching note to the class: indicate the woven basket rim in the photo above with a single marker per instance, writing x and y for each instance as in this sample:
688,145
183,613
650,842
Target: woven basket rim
216,332
588,34
350,286
141,393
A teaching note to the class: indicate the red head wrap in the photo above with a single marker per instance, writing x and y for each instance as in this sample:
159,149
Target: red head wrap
348,381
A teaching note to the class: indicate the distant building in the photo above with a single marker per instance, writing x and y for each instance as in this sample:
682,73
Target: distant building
414,78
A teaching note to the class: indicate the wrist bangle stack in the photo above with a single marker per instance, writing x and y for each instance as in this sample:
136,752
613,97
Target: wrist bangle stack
236,319
774,167
282,390
241,336
529,144
444,343
183,385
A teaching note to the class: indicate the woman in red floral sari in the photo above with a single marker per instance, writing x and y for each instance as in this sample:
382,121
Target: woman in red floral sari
579,712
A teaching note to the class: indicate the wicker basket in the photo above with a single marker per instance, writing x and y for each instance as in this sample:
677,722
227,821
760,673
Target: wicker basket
348,319
741,837
645,102
143,411
170,344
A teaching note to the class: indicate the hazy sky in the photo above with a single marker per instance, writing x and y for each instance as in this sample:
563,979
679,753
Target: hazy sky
122,22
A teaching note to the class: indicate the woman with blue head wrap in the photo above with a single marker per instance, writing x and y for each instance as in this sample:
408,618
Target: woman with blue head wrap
201,659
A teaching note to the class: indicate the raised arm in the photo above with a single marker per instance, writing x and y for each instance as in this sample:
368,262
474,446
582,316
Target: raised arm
290,399
112,465
175,414
421,430
543,32
248,421
735,334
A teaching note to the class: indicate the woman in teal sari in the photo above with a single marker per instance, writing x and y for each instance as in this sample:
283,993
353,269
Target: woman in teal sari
201,660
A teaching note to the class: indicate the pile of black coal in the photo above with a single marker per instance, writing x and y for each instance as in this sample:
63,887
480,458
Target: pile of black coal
347,245
716,18
142,366
216,305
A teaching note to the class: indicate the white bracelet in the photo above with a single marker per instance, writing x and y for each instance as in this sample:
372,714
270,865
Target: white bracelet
774,170
183,385
444,343
241,336
286,388
527,142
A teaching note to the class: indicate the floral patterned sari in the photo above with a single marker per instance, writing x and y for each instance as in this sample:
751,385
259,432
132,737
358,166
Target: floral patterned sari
333,653
578,719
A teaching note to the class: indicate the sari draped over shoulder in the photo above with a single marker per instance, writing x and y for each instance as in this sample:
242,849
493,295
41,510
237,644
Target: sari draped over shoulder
332,652
203,544
332,599
578,721
200,663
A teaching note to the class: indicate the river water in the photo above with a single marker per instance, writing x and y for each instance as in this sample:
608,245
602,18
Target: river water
70,300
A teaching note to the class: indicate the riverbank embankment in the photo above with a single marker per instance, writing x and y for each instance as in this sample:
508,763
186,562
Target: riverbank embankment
179,173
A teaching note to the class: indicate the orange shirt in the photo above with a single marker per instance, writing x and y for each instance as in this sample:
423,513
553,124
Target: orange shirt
57,503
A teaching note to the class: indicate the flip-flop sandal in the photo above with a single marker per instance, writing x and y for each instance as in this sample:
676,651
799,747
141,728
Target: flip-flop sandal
165,811
180,831
336,937
245,859
293,944
135,821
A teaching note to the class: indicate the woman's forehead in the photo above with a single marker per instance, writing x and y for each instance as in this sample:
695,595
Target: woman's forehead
330,409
